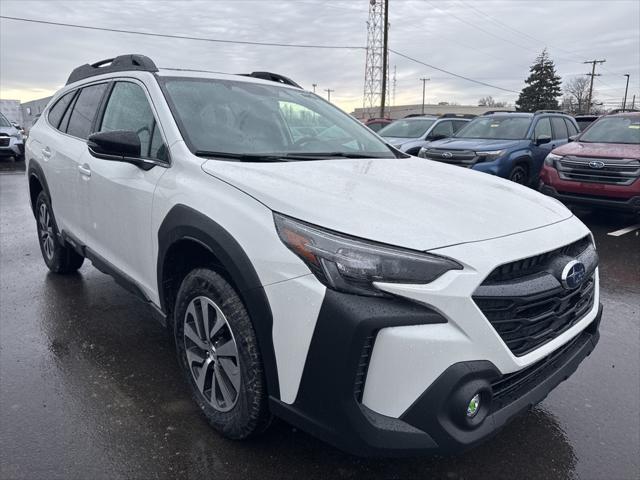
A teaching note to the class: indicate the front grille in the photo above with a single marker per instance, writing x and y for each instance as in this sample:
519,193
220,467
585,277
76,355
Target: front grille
514,385
462,158
363,367
526,303
612,171
4,141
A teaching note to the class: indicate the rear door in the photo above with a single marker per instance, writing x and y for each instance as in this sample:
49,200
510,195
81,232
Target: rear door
66,150
121,194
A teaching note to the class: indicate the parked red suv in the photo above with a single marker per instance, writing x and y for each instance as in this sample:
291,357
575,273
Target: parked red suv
601,167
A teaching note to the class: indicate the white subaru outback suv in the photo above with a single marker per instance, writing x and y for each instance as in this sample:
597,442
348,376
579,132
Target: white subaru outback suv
384,303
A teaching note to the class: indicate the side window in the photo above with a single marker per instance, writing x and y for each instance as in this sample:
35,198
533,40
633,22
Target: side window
58,110
543,128
84,110
442,129
458,124
571,128
128,109
559,128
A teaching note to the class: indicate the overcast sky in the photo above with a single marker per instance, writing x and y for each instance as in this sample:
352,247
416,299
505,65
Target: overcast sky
491,41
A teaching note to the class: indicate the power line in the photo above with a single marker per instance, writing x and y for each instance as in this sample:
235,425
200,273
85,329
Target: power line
182,37
451,73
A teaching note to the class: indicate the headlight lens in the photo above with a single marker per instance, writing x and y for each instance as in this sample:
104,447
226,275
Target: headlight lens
551,158
489,155
351,265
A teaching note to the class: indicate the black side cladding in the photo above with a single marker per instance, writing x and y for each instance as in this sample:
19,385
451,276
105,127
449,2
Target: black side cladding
121,63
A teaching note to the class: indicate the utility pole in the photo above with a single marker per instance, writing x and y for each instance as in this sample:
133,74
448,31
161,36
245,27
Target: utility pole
329,90
633,103
314,85
424,84
626,89
394,82
385,58
592,74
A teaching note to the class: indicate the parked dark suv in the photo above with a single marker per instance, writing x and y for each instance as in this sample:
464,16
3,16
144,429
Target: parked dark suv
511,145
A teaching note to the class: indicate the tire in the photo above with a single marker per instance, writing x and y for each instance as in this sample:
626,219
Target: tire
520,174
233,393
58,257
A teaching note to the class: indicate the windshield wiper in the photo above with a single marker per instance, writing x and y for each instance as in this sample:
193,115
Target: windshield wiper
242,157
305,155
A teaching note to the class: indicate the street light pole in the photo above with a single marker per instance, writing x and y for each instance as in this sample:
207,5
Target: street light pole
626,89
314,85
424,83
329,90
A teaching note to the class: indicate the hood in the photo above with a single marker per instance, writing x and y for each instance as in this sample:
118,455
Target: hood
9,131
475,144
414,203
599,150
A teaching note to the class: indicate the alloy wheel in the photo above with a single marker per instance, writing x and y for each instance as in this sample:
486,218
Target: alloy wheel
212,353
45,227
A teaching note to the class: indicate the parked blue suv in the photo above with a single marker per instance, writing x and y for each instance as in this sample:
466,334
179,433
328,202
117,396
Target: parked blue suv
511,145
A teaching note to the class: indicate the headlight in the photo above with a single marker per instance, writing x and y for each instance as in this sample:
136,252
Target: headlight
351,265
551,158
489,155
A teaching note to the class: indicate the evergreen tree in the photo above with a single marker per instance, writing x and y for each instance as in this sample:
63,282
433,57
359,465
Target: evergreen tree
543,86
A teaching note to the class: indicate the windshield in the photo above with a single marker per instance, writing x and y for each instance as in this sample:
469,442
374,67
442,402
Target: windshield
251,120
3,121
498,128
613,130
407,128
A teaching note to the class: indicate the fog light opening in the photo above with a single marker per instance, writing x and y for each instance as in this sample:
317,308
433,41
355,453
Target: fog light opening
474,406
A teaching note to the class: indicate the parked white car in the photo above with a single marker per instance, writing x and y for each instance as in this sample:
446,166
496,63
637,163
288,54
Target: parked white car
11,140
383,303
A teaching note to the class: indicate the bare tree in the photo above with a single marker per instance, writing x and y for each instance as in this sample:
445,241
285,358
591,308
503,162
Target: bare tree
577,94
489,101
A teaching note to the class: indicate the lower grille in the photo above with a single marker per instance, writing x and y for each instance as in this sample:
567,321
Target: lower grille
612,171
462,158
514,385
4,141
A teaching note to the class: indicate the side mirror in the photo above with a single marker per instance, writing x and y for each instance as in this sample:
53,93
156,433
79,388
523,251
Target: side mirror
542,139
573,138
439,136
118,146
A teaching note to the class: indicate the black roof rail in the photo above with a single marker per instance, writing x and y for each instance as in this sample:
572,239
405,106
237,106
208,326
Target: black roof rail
491,112
458,115
121,63
272,77
538,112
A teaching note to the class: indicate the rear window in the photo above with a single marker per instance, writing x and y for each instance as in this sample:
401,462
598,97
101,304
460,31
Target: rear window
57,111
613,130
84,110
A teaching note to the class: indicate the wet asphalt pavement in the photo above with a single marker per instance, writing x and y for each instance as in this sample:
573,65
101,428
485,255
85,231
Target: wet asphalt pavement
90,388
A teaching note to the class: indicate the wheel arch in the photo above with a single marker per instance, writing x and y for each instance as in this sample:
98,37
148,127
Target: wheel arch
37,183
186,234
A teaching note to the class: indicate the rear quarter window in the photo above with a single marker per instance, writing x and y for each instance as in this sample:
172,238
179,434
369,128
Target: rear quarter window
57,111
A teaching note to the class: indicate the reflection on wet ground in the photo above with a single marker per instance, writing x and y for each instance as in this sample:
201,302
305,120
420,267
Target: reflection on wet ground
89,388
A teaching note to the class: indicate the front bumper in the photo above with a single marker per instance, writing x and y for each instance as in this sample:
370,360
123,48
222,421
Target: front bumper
15,148
329,403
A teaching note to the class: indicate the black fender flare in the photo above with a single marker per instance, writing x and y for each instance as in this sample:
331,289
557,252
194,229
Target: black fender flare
185,223
35,170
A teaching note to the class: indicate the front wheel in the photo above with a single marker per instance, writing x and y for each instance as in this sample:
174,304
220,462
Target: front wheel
519,174
218,352
58,257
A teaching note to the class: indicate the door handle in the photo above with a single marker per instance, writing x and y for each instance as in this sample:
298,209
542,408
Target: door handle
46,153
84,170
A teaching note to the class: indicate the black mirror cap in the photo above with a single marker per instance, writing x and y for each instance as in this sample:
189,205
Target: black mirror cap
117,143
541,140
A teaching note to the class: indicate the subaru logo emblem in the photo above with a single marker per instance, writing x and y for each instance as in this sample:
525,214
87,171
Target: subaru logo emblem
573,274
596,164
447,155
